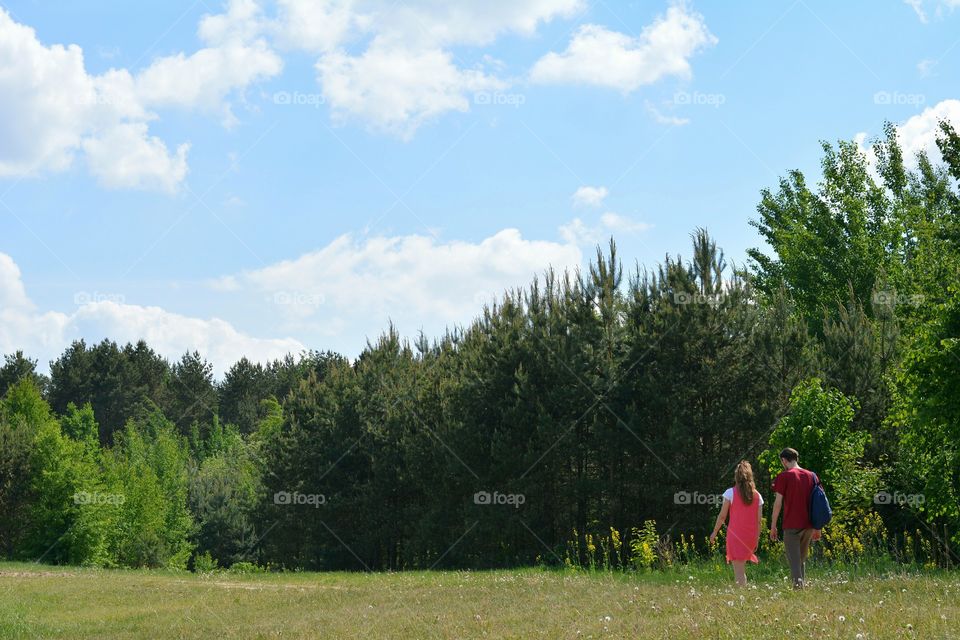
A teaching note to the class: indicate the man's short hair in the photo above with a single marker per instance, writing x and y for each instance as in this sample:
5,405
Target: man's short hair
790,455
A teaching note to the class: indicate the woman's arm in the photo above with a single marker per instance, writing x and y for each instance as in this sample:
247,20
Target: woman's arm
721,518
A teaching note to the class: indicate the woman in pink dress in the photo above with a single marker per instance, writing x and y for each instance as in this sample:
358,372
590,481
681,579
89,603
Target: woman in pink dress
745,506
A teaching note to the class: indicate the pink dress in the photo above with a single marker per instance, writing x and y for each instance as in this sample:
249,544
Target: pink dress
743,530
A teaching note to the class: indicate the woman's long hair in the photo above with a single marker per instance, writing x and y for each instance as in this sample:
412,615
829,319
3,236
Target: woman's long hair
743,478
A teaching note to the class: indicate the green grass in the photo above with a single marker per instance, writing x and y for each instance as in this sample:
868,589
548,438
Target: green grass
67,602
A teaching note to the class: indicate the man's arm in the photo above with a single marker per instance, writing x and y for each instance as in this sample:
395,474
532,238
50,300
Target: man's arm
777,504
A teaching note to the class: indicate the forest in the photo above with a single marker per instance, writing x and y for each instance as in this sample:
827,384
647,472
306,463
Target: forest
609,404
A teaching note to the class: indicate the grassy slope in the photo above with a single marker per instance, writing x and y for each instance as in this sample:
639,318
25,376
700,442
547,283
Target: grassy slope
55,602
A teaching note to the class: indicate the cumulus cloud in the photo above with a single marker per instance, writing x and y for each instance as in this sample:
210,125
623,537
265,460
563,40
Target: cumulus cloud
206,77
316,25
237,56
390,65
395,89
406,75
49,105
432,23
355,286
919,133
578,232
617,222
919,7
44,334
126,157
599,56
589,196
52,110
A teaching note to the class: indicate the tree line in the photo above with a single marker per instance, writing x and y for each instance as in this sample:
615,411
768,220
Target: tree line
582,402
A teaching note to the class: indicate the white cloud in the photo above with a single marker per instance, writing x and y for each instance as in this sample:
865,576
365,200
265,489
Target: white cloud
917,6
673,121
237,56
171,334
242,22
919,133
316,25
925,67
44,335
126,157
396,90
403,73
579,233
598,56
355,286
205,78
439,23
51,109
589,196
576,232
617,222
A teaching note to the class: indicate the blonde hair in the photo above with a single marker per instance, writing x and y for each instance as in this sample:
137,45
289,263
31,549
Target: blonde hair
743,478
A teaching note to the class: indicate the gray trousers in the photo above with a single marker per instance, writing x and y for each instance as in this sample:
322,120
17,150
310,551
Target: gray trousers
796,542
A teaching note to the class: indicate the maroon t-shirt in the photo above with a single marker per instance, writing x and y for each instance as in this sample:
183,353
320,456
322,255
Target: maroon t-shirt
795,485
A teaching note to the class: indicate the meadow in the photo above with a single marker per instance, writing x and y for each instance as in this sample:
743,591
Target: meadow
41,601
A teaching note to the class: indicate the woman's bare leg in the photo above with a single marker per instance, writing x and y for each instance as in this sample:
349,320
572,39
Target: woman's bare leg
740,572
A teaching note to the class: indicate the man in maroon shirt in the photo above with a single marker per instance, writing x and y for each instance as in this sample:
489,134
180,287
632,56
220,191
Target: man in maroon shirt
793,488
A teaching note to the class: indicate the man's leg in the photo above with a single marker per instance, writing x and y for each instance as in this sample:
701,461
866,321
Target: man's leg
791,545
806,535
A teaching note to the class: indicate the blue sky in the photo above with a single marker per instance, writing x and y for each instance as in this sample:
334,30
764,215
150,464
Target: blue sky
259,177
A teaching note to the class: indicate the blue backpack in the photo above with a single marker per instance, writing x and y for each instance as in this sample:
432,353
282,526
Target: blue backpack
820,511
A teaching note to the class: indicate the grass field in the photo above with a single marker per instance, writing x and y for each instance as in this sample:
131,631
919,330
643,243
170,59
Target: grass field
64,602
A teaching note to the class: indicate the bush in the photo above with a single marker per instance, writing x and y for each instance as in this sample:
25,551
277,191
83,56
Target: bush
204,563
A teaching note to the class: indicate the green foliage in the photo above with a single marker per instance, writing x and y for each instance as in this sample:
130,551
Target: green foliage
15,368
927,416
72,514
204,563
246,568
819,427
643,545
80,424
22,414
224,492
148,466
591,398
